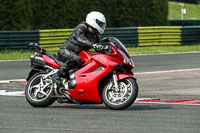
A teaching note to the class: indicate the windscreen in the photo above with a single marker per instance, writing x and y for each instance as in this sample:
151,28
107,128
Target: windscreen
119,44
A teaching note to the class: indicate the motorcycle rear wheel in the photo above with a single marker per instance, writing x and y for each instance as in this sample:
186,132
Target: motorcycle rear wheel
122,98
39,91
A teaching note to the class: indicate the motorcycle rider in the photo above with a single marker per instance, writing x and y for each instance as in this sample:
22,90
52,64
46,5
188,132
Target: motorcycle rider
84,37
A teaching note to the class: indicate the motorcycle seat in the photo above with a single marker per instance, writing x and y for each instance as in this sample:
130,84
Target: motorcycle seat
55,57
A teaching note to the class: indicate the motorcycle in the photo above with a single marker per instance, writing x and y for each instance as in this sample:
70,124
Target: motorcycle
104,77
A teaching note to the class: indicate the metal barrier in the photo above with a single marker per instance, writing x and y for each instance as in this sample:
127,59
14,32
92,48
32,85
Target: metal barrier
130,36
17,39
52,40
159,35
190,35
184,22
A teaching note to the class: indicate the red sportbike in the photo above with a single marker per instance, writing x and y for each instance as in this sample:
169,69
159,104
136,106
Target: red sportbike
104,77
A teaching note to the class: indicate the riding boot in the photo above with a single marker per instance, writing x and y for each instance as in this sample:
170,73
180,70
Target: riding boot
61,73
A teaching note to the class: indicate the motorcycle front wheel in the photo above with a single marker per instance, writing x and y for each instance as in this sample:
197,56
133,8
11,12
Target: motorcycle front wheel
121,98
39,90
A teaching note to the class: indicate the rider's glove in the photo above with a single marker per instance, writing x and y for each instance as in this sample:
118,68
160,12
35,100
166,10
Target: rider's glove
97,47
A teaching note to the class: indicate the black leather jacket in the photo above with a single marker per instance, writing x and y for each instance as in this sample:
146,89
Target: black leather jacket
81,39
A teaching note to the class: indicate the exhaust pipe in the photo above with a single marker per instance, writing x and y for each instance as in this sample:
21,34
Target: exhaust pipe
37,60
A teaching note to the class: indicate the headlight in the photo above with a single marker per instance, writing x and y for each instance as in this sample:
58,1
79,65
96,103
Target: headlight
129,61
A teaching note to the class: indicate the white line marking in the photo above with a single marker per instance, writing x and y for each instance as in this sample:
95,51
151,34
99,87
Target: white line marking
12,80
166,103
13,60
4,82
139,99
13,93
169,71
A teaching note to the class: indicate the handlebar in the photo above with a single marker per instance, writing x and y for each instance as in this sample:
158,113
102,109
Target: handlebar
35,47
102,48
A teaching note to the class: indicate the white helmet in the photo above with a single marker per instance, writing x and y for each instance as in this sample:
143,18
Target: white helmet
97,21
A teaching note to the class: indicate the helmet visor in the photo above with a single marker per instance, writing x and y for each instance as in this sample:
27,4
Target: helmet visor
101,24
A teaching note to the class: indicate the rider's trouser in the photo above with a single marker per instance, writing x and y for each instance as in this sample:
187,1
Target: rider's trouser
71,59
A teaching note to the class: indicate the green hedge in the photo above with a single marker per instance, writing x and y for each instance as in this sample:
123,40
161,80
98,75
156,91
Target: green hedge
16,14
57,14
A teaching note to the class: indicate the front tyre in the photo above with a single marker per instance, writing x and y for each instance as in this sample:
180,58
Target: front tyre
122,98
39,90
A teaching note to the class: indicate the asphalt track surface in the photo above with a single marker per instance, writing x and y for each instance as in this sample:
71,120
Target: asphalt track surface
17,116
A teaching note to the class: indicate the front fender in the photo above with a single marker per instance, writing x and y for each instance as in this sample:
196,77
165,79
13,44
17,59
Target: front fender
120,76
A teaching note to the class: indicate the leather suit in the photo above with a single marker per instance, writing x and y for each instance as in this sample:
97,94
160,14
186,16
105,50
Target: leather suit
80,39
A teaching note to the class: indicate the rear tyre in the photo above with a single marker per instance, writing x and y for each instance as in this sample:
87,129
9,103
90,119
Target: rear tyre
39,90
122,98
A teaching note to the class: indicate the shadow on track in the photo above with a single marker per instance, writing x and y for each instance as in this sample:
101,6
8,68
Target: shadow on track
145,107
136,107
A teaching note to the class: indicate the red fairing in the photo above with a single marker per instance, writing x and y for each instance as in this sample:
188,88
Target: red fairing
94,68
89,77
50,62
86,57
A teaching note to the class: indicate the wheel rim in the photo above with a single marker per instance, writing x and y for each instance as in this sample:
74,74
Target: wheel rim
40,88
118,97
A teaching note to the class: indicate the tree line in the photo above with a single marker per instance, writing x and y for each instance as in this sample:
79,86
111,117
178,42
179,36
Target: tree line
53,14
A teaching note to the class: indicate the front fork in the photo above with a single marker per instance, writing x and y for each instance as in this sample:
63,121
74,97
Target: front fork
115,79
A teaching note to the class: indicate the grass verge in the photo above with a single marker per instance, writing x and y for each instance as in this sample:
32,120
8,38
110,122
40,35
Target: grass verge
192,11
20,55
15,55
